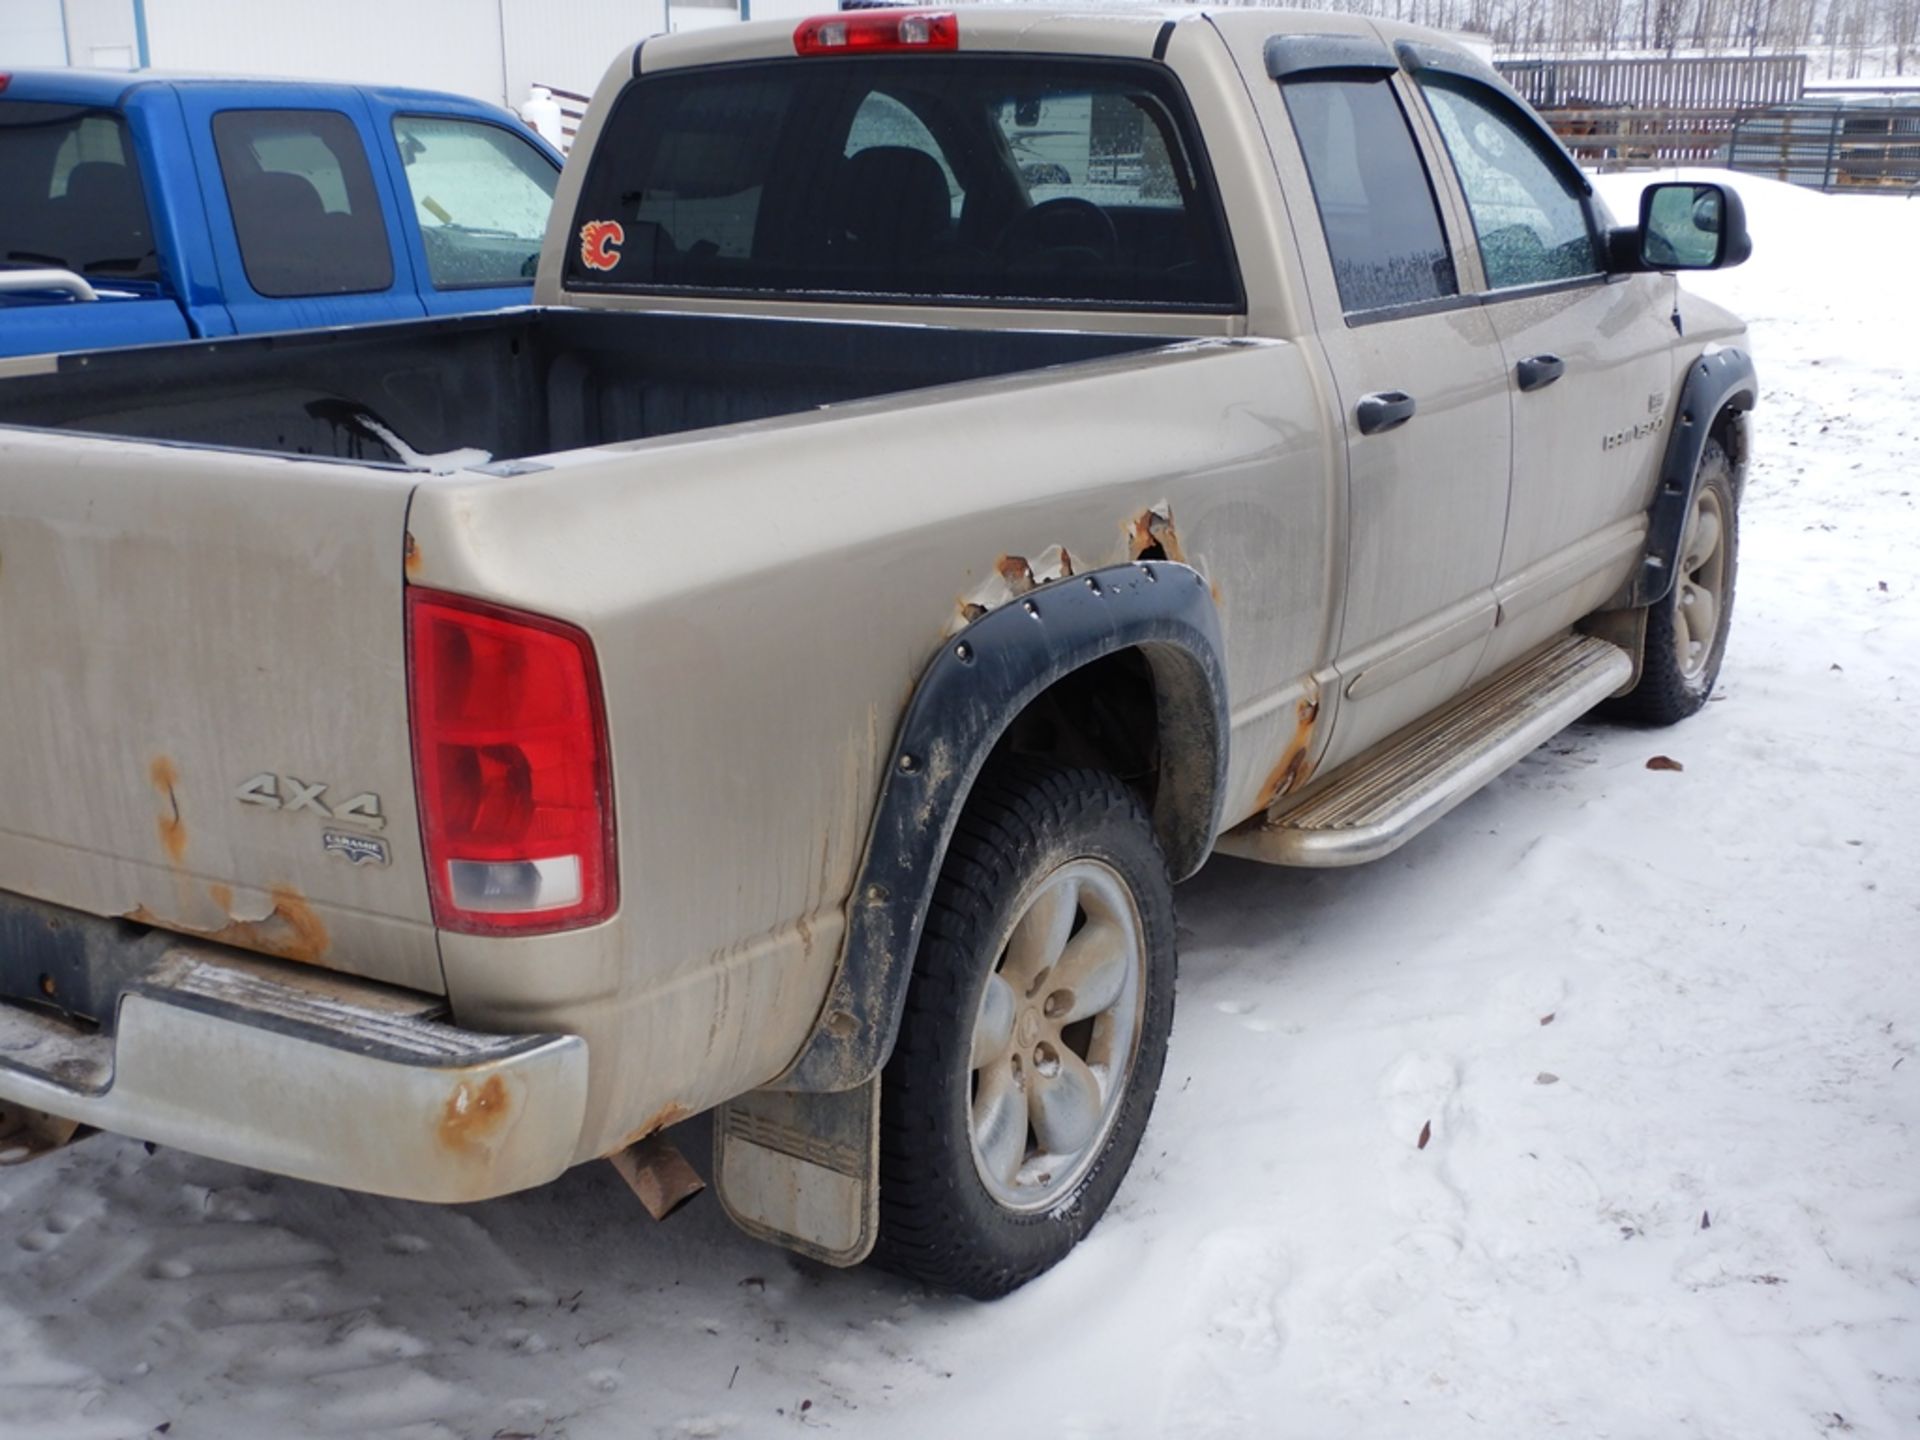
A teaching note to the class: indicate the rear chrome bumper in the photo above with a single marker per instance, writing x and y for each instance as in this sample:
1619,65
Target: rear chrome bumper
307,1074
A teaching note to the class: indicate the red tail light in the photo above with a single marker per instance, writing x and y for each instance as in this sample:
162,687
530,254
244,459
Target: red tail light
510,758
871,32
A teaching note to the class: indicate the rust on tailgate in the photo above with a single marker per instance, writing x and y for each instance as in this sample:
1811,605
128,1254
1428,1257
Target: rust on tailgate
165,776
291,930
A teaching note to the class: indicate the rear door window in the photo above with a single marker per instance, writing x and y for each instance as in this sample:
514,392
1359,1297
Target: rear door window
305,209
70,193
481,196
965,179
1375,198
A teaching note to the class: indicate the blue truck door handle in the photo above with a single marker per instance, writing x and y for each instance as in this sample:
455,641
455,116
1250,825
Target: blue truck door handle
1536,372
1383,410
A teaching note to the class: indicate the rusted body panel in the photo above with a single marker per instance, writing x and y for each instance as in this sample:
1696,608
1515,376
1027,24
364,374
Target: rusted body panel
819,558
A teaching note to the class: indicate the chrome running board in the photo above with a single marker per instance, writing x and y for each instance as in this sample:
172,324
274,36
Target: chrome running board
1378,801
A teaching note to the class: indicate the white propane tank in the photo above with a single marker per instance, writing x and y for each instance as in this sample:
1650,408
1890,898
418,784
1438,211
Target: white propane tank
542,112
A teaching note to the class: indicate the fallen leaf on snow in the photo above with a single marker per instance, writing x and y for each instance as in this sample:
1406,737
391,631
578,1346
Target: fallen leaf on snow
1426,1134
1664,762
1546,1077
1706,1221
1547,1019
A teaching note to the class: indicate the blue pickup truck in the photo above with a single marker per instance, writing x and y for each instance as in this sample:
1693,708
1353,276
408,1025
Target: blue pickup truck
140,208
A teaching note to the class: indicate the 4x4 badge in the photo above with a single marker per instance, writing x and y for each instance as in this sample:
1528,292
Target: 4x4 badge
290,793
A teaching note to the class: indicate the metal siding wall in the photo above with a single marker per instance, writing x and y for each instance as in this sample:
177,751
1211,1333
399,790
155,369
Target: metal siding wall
570,46
435,44
97,29
32,34
795,10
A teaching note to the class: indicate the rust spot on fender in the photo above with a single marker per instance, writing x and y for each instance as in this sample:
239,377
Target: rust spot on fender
165,776
412,562
474,1115
1294,768
672,1113
1151,535
290,930
1012,576
1015,570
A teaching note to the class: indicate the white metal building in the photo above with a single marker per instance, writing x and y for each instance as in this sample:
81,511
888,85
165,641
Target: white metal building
493,49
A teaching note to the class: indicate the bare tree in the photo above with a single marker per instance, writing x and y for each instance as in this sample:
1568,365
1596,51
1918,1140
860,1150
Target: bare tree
1903,31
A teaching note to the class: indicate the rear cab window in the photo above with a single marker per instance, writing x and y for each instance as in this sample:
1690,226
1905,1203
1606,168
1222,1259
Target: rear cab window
70,193
967,179
480,195
305,209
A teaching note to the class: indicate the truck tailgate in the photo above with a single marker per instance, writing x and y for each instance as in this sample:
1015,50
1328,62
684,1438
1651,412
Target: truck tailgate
203,705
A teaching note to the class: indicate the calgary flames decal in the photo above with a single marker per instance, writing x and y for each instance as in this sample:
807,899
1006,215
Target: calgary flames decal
600,242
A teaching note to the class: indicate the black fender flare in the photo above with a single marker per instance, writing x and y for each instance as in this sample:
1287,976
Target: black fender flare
969,694
1714,383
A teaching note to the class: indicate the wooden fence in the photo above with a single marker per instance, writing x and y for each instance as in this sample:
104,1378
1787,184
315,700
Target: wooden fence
1819,144
1722,82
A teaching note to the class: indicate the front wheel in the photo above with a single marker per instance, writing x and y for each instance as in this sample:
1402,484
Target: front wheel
1034,1035
1687,631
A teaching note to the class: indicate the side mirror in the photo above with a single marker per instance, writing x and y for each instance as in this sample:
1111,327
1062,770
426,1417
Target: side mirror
1685,226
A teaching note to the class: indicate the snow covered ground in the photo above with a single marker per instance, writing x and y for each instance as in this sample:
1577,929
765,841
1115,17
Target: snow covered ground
1662,1026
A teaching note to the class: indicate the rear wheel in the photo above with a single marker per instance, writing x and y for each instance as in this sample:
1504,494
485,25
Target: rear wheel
1687,631
1034,1035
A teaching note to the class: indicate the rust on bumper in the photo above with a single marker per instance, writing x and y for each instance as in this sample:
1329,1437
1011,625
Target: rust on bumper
306,1074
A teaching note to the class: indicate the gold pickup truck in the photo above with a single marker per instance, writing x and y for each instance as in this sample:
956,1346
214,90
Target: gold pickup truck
961,469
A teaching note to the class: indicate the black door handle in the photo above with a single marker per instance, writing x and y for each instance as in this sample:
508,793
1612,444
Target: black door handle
1537,372
1383,410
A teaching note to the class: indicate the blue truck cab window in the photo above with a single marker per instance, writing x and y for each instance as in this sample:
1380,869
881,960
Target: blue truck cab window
305,209
480,196
73,198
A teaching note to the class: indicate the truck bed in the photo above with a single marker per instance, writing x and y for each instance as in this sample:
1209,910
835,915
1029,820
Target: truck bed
199,635
514,383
